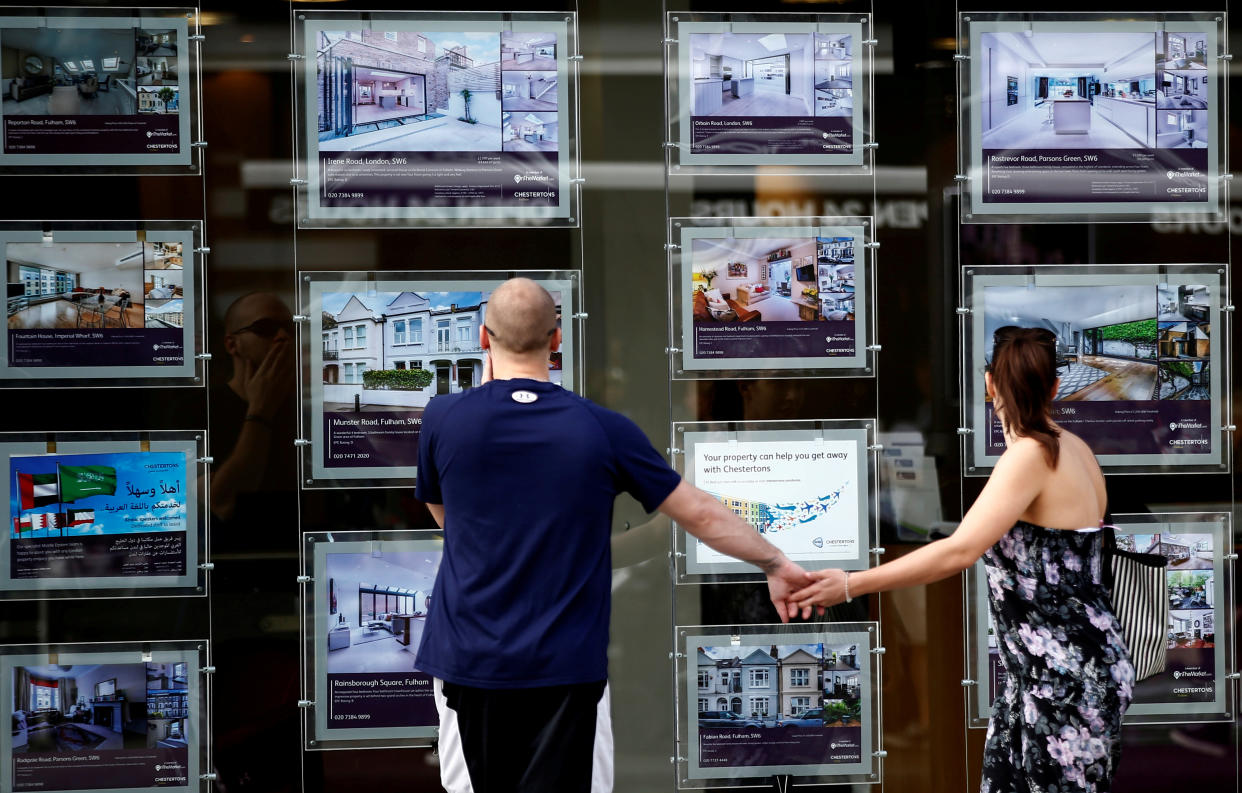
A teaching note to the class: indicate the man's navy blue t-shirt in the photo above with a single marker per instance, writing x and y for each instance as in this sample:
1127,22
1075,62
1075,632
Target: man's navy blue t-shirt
522,597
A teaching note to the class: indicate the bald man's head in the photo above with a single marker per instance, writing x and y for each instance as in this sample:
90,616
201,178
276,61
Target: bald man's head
521,316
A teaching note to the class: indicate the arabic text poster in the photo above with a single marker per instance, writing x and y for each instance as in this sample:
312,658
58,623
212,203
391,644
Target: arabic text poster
801,495
98,515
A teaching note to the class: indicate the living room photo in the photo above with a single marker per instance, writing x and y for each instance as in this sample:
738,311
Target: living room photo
772,279
377,604
79,285
59,708
68,72
1106,336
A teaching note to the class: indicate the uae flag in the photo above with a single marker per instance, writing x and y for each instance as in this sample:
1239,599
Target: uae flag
37,490
79,517
80,481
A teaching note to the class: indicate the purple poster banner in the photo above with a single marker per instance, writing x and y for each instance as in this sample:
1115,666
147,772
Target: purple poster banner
1131,427
377,700
97,347
95,556
370,440
771,135
439,179
92,134
102,769
1085,175
778,746
774,340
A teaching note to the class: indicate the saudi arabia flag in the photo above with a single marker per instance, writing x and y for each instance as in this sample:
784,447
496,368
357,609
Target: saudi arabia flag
81,481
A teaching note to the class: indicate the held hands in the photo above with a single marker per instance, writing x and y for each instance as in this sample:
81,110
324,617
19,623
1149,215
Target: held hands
783,579
828,589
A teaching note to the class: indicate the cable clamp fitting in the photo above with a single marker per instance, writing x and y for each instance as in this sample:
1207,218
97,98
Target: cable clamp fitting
208,777
878,651
962,311
203,249
1225,177
301,442
205,460
670,350
207,566
960,177
871,145
578,180
667,41
579,315
960,57
967,683
875,447
872,245
1229,428
203,356
1226,57
672,246
965,431
880,753
673,450
196,37
1230,557
668,144
306,703
295,56
574,58
1229,307
879,550
305,579
208,670
869,42
300,318
874,347
1234,676
297,182
198,144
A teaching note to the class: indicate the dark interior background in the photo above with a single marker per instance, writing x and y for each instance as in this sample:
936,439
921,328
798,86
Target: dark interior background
252,613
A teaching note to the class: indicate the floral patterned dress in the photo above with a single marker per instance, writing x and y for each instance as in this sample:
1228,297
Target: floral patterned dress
1056,722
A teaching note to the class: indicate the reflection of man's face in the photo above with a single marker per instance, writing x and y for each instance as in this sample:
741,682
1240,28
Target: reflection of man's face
258,323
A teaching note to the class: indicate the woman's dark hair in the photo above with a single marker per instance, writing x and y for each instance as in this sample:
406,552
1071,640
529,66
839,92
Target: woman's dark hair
1024,370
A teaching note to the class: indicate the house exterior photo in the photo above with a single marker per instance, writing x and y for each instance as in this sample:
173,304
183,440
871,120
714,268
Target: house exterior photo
799,682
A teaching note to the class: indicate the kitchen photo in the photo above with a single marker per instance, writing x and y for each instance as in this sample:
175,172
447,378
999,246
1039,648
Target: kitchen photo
377,605
755,279
1106,336
529,131
834,75
1054,90
753,74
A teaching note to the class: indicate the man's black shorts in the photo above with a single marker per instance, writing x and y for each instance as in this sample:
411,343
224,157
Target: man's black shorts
525,740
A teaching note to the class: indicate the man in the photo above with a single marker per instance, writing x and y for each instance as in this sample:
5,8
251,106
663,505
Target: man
522,475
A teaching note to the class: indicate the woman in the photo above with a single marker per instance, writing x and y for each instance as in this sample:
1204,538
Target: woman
1056,724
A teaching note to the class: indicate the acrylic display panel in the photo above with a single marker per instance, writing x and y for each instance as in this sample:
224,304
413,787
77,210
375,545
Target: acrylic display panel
806,486
365,607
378,346
104,304
437,118
100,90
788,92
99,514
119,716
771,297
1141,357
1195,684
758,701
1085,117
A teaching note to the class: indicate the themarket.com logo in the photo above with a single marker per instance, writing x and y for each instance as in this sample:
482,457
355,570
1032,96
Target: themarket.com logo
1185,424
541,177
1179,674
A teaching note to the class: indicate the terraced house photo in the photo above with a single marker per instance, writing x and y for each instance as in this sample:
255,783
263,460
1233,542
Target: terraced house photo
804,685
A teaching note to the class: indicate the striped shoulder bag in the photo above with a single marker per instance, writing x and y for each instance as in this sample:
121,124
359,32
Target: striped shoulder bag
1140,597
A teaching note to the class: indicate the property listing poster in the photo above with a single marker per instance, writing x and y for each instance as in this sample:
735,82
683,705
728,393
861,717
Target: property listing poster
96,90
371,603
1193,681
431,116
763,707
770,93
113,517
1068,117
98,305
95,721
383,353
806,491
1137,355
772,298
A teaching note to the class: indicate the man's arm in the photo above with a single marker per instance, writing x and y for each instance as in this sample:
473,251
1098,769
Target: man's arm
437,512
710,521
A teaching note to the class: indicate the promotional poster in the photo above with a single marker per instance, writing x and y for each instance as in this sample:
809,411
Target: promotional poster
1137,359
411,119
371,604
94,722
1191,682
760,708
1074,116
384,354
770,93
95,90
793,298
